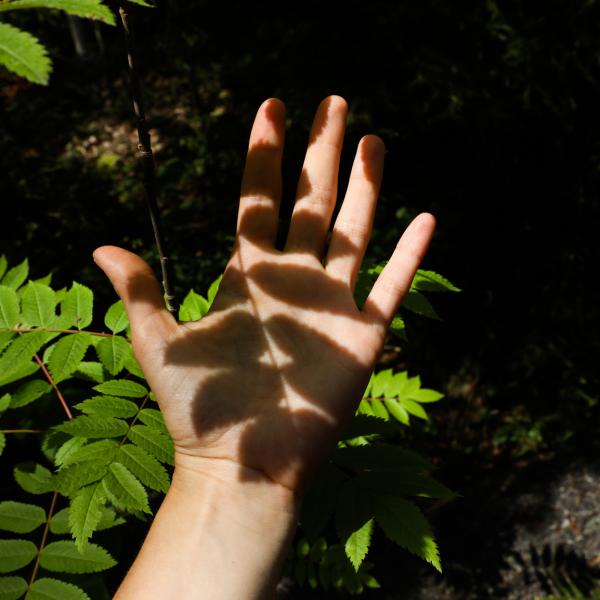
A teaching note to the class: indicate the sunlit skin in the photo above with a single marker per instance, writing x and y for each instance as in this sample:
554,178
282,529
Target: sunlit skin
259,389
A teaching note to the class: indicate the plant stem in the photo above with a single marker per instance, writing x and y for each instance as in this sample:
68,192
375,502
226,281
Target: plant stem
43,542
22,430
38,360
27,329
134,420
147,160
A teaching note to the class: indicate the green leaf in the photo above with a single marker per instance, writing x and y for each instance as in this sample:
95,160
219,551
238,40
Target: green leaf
17,275
368,425
85,513
12,588
403,523
193,307
133,367
116,318
124,490
15,554
417,303
142,3
19,517
2,442
424,395
145,467
103,451
213,289
429,281
51,589
38,304
67,354
381,383
4,402
59,523
90,370
108,406
88,9
158,445
122,387
3,265
34,478
19,353
112,352
379,409
397,410
154,419
28,392
357,545
65,557
71,479
94,427
71,446
77,306
414,408
9,307
23,371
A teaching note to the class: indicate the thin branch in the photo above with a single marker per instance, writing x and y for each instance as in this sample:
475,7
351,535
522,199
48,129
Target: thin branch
27,329
38,360
22,430
134,420
43,542
147,161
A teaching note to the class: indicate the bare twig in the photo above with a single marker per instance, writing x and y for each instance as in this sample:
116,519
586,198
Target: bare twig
147,160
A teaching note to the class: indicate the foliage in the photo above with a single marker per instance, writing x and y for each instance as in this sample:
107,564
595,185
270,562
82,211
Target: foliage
111,459
23,54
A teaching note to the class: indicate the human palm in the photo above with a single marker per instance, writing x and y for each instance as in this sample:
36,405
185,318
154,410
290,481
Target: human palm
269,376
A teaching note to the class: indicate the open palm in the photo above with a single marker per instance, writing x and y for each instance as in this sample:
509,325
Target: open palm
271,374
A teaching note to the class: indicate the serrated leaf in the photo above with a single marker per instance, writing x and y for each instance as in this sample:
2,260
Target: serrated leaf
154,419
145,467
112,353
3,265
357,545
124,490
28,392
414,408
91,371
23,371
429,281
67,354
19,517
116,318
64,556
77,306
108,406
132,365
51,442
85,513
12,588
193,307
103,451
34,478
380,383
15,554
9,307
59,524
69,480
38,304
158,445
94,427
403,523
71,446
47,588
15,277
419,304
122,387
397,410
20,353
424,395
87,9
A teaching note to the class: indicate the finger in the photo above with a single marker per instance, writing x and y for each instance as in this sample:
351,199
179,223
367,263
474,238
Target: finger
317,187
354,222
261,183
394,281
136,284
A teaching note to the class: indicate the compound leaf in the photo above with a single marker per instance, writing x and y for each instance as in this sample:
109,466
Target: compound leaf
124,490
158,445
144,466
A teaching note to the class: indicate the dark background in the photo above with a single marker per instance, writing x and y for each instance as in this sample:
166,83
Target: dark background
489,114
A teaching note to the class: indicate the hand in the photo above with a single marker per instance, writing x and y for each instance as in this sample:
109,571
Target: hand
268,378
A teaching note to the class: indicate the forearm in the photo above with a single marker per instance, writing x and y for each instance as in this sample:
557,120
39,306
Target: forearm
220,534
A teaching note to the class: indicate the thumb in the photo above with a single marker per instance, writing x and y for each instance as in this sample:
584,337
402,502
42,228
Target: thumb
136,284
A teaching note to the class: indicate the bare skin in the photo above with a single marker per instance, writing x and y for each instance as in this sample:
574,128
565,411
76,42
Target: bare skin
256,393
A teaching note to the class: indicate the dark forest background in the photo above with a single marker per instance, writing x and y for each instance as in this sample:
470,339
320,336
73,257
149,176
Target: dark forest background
489,111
